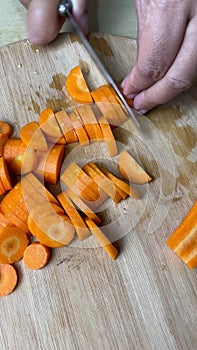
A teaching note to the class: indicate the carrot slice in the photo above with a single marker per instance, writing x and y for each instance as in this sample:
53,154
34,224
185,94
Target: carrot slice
8,279
36,256
183,240
13,148
5,128
4,175
83,206
2,189
4,222
13,243
123,186
90,122
66,127
49,125
3,140
102,239
76,86
32,136
79,129
108,136
131,170
76,219
49,164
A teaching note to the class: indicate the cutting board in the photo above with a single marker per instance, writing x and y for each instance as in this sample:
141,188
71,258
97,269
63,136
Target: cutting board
146,299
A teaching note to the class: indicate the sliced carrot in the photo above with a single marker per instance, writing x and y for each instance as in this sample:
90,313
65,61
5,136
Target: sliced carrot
32,136
123,186
66,127
131,170
79,129
52,230
5,128
129,100
108,136
13,148
103,182
83,206
8,279
4,222
2,189
183,240
90,122
49,164
77,221
36,256
49,125
76,86
13,243
4,175
102,239
3,140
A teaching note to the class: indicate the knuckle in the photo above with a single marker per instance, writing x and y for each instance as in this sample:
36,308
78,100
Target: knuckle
178,83
151,70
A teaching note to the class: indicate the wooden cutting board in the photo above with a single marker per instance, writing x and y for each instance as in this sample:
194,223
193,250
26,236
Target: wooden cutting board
146,299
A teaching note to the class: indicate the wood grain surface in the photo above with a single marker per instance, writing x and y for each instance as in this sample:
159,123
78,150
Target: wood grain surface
146,299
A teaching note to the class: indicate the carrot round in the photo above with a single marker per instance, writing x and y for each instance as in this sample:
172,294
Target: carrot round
32,136
13,243
4,175
36,256
76,86
5,128
3,140
8,279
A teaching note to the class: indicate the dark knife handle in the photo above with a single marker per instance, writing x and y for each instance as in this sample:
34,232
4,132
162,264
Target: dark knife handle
65,6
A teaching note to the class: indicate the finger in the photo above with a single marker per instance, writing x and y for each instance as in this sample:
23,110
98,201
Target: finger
43,22
158,46
79,12
179,77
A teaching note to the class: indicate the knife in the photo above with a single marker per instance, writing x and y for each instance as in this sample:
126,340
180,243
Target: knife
64,9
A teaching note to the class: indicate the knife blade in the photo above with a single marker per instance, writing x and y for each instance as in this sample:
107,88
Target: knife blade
64,9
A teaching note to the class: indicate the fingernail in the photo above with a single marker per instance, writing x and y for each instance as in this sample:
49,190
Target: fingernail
131,95
122,84
142,111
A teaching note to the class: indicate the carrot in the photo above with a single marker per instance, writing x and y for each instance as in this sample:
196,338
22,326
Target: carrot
108,136
131,170
77,221
36,256
79,129
32,136
4,175
102,239
5,128
2,189
183,240
3,140
121,185
8,279
13,243
76,86
49,126
52,230
4,222
90,122
49,164
103,182
129,100
83,206
66,127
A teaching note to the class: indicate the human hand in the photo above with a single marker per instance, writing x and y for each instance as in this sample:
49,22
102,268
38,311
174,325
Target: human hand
43,22
167,52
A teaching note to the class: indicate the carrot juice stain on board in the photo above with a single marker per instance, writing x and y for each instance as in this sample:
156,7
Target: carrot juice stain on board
101,45
58,81
34,107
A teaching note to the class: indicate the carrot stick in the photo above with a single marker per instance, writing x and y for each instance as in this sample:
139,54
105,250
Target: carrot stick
183,240
79,129
108,136
82,206
66,127
49,164
76,86
5,128
4,175
3,140
77,221
102,239
90,122
13,243
32,136
36,256
49,125
8,279
130,191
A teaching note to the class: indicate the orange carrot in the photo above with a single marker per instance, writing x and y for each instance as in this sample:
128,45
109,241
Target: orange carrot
108,136
102,239
2,189
5,128
77,221
49,125
36,256
130,191
129,100
13,243
183,240
131,170
79,129
90,122
32,136
4,222
4,175
3,140
8,279
76,86
66,127
49,164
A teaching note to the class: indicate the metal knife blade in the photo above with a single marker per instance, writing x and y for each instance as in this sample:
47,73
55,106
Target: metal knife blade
65,8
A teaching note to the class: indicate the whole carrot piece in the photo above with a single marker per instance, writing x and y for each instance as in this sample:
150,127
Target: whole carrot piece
8,279
36,256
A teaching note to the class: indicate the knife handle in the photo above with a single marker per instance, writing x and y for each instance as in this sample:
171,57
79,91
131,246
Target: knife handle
64,7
